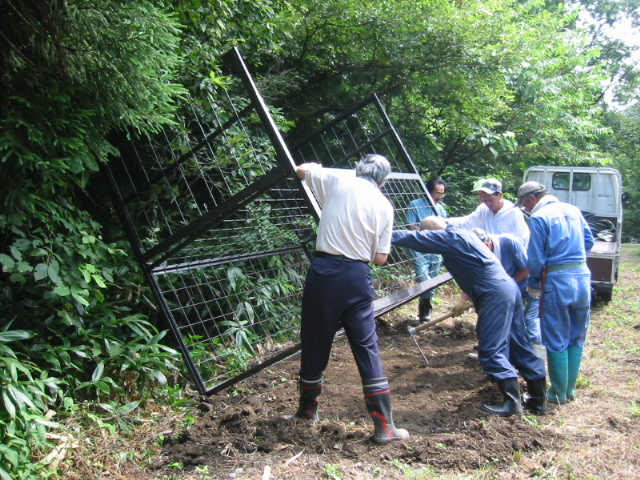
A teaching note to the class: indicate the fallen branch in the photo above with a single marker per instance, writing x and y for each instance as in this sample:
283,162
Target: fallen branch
294,458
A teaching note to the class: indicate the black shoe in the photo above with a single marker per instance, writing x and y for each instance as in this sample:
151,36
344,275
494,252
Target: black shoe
424,310
512,402
536,400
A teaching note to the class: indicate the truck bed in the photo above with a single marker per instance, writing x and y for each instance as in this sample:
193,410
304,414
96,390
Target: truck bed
604,248
603,261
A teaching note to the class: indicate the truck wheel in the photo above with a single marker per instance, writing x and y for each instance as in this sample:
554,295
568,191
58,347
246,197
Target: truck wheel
604,296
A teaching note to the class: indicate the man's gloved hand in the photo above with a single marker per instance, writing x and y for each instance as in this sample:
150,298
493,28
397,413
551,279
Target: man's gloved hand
534,292
460,307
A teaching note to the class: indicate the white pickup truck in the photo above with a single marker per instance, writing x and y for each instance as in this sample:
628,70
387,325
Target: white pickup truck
597,192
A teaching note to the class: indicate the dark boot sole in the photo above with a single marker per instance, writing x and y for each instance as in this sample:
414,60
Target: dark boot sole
386,441
487,409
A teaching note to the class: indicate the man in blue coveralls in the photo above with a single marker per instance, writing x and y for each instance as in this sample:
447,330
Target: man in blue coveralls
559,276
354,229
427,265
503,346
513,257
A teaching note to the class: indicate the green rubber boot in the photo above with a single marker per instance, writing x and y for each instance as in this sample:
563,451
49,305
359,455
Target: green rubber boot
574,357
557,364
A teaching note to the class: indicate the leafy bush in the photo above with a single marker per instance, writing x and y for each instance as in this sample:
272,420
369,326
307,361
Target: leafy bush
26,392
74,74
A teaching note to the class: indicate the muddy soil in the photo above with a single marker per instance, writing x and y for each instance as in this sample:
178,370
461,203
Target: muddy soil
242,433
436,401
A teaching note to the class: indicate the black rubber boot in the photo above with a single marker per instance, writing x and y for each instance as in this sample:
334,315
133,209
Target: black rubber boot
377,396
511,393
308,405
536,400
424,310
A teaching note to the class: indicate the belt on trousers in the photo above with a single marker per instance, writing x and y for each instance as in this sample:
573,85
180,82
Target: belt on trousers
340,258
564,266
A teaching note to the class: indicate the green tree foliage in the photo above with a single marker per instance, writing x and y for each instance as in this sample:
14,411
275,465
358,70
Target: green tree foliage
211,27
605,21
475,88
73,73
624,147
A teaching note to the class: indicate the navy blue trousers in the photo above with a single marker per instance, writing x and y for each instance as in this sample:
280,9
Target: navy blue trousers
338,294
504,348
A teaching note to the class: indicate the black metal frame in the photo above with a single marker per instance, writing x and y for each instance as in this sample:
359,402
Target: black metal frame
193,256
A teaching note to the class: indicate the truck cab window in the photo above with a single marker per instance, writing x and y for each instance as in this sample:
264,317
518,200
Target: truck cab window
581,181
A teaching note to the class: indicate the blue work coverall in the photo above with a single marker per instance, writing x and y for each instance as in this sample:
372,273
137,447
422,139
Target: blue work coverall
513,257
559,243
503,345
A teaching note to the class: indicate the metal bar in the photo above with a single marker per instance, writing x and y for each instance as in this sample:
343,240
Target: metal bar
390,302
396,138
155,288
213,262
198,146
282,152
364,147
279,357
400,144
415,340
333,123
214,217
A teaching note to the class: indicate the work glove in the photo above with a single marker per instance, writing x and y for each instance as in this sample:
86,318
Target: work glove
534,292
460,307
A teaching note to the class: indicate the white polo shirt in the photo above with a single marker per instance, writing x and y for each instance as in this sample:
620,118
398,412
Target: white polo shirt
356,219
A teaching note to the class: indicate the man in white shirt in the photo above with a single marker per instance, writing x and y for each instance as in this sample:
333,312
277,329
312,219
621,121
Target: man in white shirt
495,215
355,229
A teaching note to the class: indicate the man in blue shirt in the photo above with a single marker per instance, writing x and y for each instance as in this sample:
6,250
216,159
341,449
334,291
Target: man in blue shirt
427,265
513,257
558,274
503,347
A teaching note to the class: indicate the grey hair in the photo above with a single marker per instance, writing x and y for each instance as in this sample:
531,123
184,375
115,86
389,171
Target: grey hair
482,235
375,167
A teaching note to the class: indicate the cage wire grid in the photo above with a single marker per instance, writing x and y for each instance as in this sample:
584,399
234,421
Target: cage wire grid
225,232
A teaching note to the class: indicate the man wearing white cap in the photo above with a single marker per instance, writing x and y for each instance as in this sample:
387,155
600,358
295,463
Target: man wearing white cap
559,276
495,214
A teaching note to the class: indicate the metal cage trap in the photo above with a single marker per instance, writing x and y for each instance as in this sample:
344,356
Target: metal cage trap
224,231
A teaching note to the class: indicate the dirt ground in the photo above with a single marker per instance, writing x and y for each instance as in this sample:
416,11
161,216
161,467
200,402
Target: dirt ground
241,433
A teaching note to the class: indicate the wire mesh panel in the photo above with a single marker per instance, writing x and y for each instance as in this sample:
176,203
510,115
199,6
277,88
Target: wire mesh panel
224,230
341,144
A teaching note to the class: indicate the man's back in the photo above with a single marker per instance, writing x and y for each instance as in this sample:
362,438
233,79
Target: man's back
559,234
470,262
356,218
